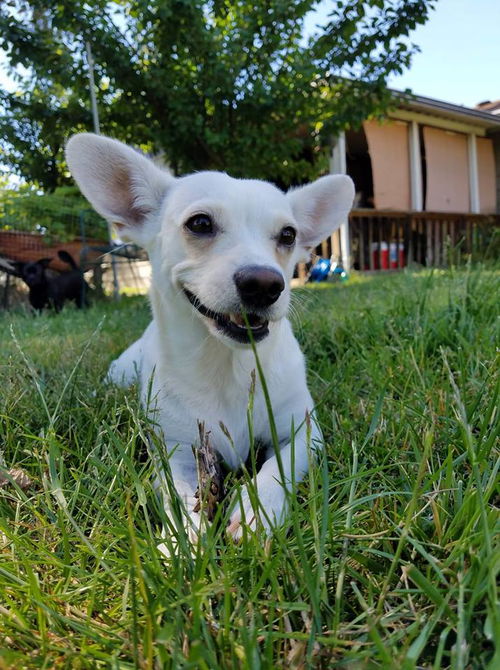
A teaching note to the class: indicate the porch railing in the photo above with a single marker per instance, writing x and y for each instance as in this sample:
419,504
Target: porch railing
390,240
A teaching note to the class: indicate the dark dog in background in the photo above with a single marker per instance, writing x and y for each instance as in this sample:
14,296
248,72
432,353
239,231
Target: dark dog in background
49,290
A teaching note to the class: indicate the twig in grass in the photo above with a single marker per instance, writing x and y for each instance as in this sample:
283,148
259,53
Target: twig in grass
15,476
210,489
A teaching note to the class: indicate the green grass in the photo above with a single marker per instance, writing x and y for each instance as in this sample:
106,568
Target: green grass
390,554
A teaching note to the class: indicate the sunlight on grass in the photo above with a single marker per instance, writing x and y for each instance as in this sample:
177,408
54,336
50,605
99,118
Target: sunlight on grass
388,558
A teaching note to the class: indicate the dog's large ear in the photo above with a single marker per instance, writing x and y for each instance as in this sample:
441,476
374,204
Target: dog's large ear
321,207
122,185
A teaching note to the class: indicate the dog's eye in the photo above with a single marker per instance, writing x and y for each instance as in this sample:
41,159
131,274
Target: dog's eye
200,224
287,236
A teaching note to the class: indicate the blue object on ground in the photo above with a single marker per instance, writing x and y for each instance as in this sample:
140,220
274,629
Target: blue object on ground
340,273
320,270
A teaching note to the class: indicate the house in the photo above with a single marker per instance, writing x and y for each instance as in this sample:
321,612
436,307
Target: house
427,178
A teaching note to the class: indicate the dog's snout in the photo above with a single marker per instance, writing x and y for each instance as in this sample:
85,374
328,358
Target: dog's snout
259,286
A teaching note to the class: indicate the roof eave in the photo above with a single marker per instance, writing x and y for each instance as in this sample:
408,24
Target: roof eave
465,114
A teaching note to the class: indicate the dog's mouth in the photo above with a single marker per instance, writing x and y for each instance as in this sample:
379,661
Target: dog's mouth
232,324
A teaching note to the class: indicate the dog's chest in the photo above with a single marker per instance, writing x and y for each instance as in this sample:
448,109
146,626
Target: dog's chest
232,415
222,389
233,411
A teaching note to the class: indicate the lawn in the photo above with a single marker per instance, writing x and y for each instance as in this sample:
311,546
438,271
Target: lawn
390,553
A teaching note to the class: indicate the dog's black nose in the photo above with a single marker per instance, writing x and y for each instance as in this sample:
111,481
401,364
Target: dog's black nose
259,286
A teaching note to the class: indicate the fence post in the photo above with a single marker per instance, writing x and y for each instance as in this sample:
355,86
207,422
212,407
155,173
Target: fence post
345,245
5,299
428,241
437,256
409,222
301,271
335,244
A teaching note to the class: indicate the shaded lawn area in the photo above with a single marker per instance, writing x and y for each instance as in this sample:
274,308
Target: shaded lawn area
390,553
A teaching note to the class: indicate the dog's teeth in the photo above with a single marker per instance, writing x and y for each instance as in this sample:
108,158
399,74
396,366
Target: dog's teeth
239,321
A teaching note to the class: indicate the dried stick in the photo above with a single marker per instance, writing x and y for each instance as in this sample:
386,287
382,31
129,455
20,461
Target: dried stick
210,489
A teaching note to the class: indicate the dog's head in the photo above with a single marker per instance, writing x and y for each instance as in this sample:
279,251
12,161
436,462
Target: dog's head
228,246
33,274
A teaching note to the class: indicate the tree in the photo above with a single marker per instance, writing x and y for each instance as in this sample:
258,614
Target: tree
211,84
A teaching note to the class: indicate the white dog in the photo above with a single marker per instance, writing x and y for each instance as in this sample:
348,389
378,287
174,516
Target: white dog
219,248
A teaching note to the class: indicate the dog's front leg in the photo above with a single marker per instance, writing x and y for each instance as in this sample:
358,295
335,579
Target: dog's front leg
178,489
265,503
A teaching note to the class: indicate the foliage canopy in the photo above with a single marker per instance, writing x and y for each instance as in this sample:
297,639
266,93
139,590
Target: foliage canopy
212,84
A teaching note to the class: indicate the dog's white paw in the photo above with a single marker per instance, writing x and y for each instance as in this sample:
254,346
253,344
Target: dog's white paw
269,510
194,526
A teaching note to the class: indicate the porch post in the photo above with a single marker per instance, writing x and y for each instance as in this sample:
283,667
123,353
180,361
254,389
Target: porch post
416,189
475,205
338,166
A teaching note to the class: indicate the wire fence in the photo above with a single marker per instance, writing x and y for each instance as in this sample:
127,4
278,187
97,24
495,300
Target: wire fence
35,227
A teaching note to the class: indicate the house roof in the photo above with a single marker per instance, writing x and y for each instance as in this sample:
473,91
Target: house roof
487,120
493,107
